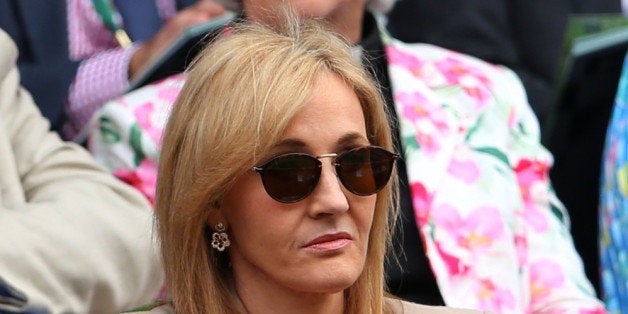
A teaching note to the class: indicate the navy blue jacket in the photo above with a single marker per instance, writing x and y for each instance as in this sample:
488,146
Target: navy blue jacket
39,28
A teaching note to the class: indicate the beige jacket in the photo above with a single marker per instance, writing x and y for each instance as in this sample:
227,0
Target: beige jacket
398,307
73,238
403,307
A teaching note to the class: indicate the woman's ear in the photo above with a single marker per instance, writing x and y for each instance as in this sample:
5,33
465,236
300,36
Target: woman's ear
215,216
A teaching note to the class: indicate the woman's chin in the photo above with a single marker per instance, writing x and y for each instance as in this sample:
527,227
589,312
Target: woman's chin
328,282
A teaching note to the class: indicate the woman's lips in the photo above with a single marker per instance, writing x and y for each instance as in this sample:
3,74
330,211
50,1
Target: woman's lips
329,242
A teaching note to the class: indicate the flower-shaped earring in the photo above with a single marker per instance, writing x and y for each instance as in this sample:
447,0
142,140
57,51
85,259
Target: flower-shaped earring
220,239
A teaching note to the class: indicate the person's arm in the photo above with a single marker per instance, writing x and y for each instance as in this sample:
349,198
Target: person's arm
557,282
74,238
99,79
106,68
103,69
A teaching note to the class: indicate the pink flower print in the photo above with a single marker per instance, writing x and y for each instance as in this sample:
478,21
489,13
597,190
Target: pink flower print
494,298
169,91
536,219
144,178
422,201
404,60
512,117
593,311
465,170
478,230
417,107
454,266
521,247
429,119
427,142
545,275
479,93
470,235
145,114
530,174
474,81
456,70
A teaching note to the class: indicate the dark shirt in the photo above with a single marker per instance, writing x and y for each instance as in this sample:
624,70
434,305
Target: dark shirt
39,29
526,36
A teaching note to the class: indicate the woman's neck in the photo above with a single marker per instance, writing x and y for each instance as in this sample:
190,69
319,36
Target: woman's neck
261,297
345,19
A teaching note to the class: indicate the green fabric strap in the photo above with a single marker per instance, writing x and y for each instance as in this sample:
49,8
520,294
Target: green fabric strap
106,12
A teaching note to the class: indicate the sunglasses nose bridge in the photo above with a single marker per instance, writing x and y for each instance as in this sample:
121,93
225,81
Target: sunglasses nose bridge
330,185
333,157
330,155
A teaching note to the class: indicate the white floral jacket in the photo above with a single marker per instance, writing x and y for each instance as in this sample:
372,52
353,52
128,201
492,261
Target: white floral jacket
495,233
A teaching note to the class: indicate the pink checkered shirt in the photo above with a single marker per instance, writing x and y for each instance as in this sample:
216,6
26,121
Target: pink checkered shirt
103,72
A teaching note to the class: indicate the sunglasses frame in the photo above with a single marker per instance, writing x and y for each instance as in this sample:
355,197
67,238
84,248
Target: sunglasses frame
318,166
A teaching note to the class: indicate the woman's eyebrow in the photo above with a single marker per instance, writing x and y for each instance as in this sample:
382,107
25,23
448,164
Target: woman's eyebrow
352,138
290,143
348,139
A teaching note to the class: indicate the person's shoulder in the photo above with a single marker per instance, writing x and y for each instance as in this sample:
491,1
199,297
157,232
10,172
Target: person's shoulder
432,54
401,306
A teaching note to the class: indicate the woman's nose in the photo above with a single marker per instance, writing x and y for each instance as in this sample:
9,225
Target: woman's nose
329,197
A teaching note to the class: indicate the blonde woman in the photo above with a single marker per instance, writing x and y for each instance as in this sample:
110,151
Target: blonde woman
483,229
277,184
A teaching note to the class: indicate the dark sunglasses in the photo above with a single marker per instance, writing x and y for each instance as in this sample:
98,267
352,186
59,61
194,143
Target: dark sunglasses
291,177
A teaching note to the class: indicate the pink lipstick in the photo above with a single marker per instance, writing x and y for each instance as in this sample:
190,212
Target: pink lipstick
329,242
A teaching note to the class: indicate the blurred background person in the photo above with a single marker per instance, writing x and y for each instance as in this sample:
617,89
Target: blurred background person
72,59
74,239
528,37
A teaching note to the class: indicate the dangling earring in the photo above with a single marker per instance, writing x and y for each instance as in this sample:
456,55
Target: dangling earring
220,239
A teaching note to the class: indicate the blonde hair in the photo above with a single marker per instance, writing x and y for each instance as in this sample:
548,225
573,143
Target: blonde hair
241,93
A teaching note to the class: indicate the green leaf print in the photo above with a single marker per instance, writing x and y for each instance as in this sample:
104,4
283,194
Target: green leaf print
136,143
108,133
557,212
410,143
495,153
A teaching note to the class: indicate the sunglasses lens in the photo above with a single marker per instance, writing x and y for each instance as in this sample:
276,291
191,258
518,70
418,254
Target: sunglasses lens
365,170
291,178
